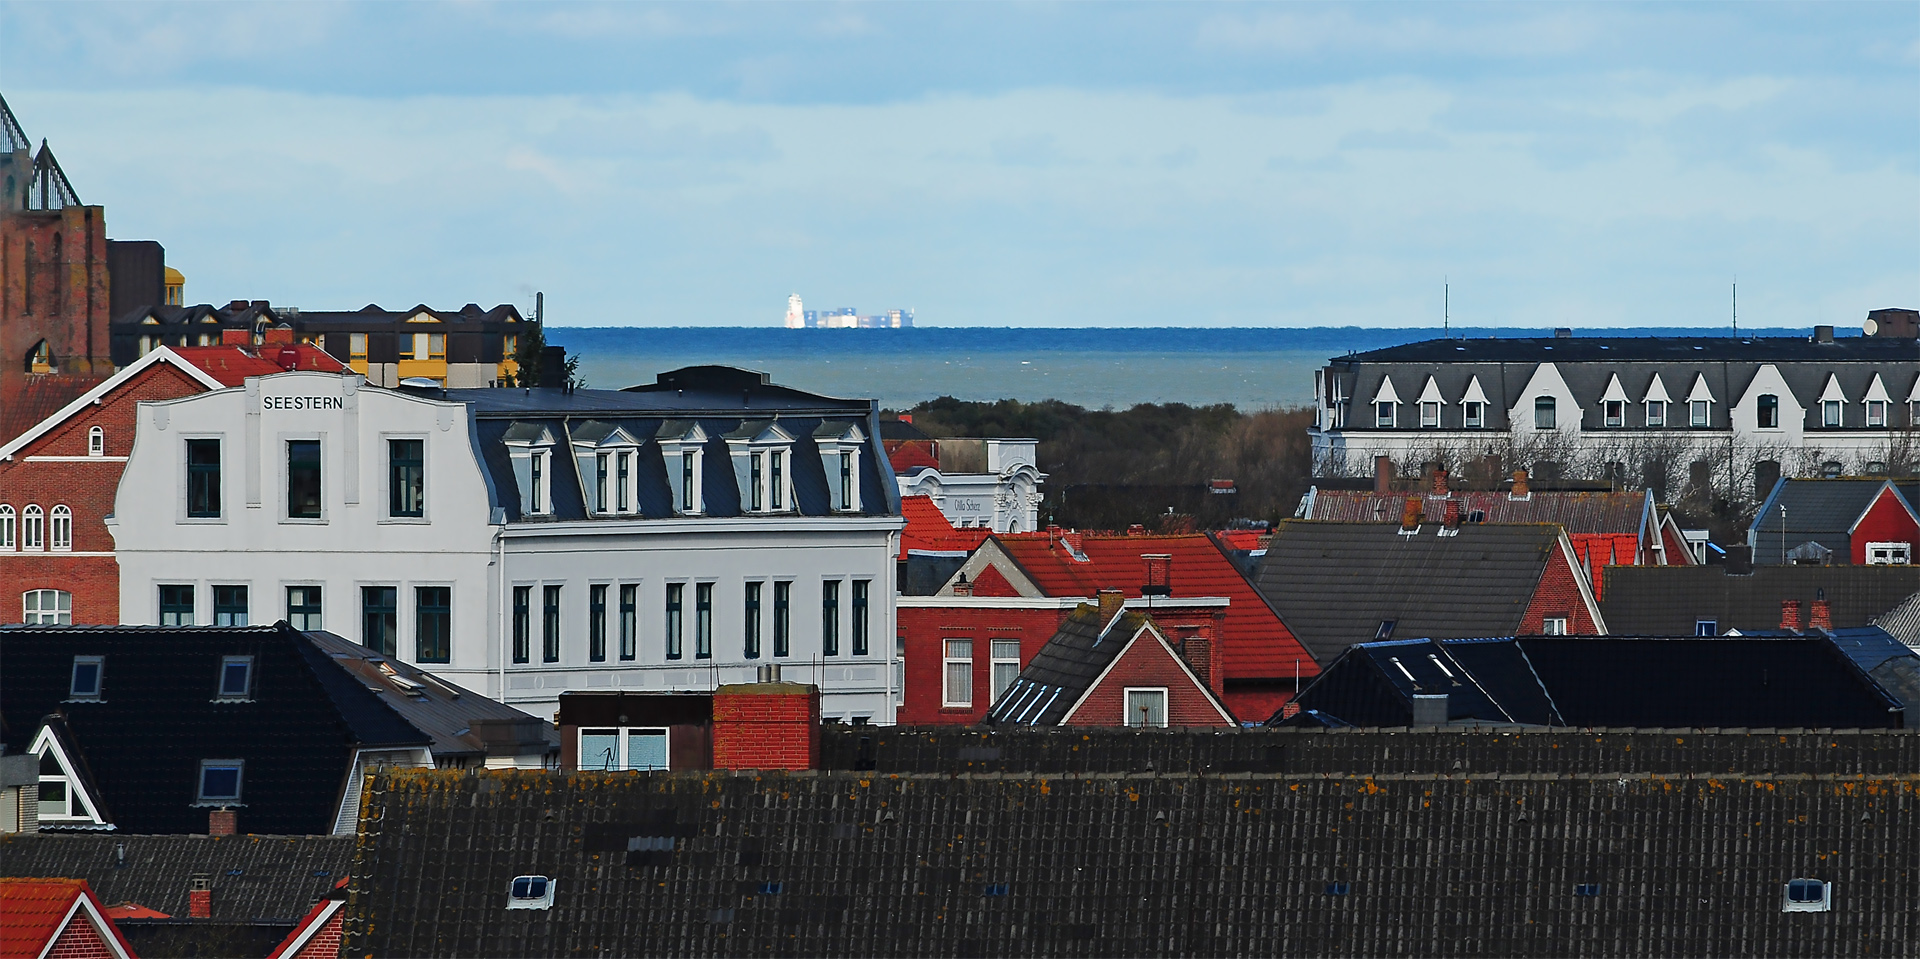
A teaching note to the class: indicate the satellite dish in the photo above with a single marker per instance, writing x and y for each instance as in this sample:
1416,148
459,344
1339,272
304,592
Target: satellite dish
1871,327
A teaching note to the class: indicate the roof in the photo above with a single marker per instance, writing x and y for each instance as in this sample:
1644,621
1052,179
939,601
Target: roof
899,430
1158,862
1255,642
1577,512
1638,349
50,189
1903,621
928,529
438,708
1609,681
1087,642
1669,600
39,398
275,878
1336,583
78,393
34,910
231,365
1823,511
297,734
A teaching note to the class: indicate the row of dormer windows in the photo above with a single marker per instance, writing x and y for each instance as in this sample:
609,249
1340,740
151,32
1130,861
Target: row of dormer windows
1879,414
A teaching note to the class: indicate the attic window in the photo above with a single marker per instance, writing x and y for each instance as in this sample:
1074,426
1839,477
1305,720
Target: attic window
220,781
87,672
1385,631
1339,888
530,892
236,678
1706,627
1587,889
1553,626
1808,895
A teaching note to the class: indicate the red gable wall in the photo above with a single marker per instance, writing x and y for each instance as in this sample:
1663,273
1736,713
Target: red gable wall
1886,521
924,631
80,941
1147,662
1558,595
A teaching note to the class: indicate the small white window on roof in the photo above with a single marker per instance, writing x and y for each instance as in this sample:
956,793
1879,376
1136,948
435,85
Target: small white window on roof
530,892
1807,895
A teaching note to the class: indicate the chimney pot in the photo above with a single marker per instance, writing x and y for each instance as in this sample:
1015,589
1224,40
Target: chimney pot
1415,511
963,588
1822,617
200,896
1790,614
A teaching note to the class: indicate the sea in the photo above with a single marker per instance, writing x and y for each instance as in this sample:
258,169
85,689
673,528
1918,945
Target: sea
1097,368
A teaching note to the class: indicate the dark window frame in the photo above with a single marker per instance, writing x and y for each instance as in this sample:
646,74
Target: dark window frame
830,617
226,691
307,614
406,478
550,624
703,621
597,622
305,476
203,479
782,618
433,624
629,621
750,608
387,626
178,607
522,624
862,601
98,665
676,599
230,606
239,769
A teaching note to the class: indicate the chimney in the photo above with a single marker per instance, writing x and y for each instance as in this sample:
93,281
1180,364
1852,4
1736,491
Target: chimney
1823,334
278,336
1440,481
1790,614
1072,540
1520,484
1410,517
1453,514
1383,474
962,587
1159,575
1197,650
1822,617
767,725
220,822
1563,333
1136,530
236,338
1111,601
1429,710
237,306
200,896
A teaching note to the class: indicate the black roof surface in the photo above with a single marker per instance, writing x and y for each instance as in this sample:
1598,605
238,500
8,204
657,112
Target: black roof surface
1669,600
1062,671
158,718
1658,349
275,878
1335,583
1151,863
442,710
1608,681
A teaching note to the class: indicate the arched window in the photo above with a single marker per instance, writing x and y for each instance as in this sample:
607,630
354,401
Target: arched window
6,526
32,528
1769,411
96,442
1543,413
62,528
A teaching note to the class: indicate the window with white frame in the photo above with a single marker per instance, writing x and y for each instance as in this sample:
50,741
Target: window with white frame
7,526
1429,416
1615,413
1006,664
1889,554
840,445
58,795
1699,413
1807,895
1553,626
1706,627
623,749
957,686
1656,412
1876,413
539,499
1475,415
1383,414
46,607
1830,413
33,528
60,528
96,441
1146,707
530,892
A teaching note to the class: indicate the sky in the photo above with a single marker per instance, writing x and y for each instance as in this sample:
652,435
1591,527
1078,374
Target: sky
1003,164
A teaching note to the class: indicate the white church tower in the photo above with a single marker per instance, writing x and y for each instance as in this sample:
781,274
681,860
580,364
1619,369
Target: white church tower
795,318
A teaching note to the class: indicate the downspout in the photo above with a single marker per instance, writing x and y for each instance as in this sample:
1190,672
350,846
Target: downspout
500,613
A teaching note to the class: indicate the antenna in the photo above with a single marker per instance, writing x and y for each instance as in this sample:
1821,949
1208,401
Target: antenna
1446,309
1736,306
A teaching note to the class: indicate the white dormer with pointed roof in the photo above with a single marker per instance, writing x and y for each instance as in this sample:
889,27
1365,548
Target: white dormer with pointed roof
530,445
1768,408
1613,404
1430,404
1656,408
1879,404
683,446
1700,403
840,443
762,454
64,797
1473,406
1546,404
1386,405
607,460
1833,404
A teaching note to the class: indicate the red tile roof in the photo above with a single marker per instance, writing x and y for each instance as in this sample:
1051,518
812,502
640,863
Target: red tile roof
232,365
1597,551
1257,644
31,911
928,529
134,910
909,456
38,398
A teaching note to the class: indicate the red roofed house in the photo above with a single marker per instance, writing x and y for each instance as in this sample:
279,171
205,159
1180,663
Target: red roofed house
318,934
967,643
58,479
56,919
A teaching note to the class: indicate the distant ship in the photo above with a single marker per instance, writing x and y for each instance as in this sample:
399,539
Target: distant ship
844,318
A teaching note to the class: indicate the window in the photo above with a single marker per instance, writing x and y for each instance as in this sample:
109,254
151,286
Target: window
356,346
629,620
436,346
88,672
56,793
1831,469
46,607
380,619
846,481
96,441
61,528
1697,413
303,479
830,618
1587,889
703,621
537,488
776,492
1006,664
176,605
623,481
1339,888
229,606
1544,413
623,749
862,589
689,490
1385,630
220,781
1553,626
522,625
1913,413
751,610
1383,414
1830,413
602,462
1656,413
597,623
6,527
1429,416
958,689
756,480
203,478
236,678
1706,627
530,892
1769,412
1876,413
303,607
676,592
1889,554
33,528
1615,413
406,478
550,624
433,624
782,618
1807,895
1147,707
1475,415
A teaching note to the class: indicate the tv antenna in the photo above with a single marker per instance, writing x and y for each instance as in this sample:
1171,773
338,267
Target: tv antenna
1446,309
1736,306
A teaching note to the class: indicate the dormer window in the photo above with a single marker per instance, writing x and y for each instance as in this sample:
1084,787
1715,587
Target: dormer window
530,446
1768,412
840,445
761,452
682,445
537,490
1656,412
605,454
1383,414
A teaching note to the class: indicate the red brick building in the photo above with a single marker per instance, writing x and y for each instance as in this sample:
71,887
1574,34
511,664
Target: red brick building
57,918
58,479
964,645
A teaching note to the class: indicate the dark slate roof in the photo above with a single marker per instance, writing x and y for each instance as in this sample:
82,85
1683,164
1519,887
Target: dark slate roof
1817,510
440,709
901,430
1335,583
1642,349
1669,600
1903,621
274,878
1161,863
1065,668
1610,681
157,719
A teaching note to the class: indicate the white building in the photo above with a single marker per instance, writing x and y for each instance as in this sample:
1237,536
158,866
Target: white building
796,315
524,543
978,483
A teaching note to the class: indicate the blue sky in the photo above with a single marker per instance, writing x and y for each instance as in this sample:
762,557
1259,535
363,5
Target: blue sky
1003,164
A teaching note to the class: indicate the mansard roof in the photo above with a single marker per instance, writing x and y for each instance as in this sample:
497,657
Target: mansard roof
1641,349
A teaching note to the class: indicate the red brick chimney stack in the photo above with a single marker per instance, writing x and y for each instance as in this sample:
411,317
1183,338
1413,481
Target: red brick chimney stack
767,725
1453,514
236,338
1440,481
1383,474
963,588
1410,517
1197,650
1111,602
1159,574
220,822
278,336
1520,483
1790,614
1822,617
200,897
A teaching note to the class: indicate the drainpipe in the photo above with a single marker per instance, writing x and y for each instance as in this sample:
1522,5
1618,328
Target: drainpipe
500,614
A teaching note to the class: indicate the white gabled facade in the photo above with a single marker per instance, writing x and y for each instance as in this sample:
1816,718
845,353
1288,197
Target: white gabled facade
1004,498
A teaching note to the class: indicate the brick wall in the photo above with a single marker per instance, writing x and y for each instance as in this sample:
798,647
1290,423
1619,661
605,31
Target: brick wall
68,305
80,941
926,629
1558,595
325,944
766,726
1147,663
1886,521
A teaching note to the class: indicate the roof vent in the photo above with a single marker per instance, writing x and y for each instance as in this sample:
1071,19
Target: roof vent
1563,333
1823,334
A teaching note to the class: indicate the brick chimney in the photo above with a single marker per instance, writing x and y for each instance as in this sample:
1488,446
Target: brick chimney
236,338
278,336
1071,538
220,822
1520,484
1453,515
1790,614
1383,474
1410,517
1159,574
1111,601
1440,481
962,587
1197,650
200,896
1822,617
772,725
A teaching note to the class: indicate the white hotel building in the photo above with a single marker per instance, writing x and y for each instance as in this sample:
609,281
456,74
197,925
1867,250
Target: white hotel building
672,536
